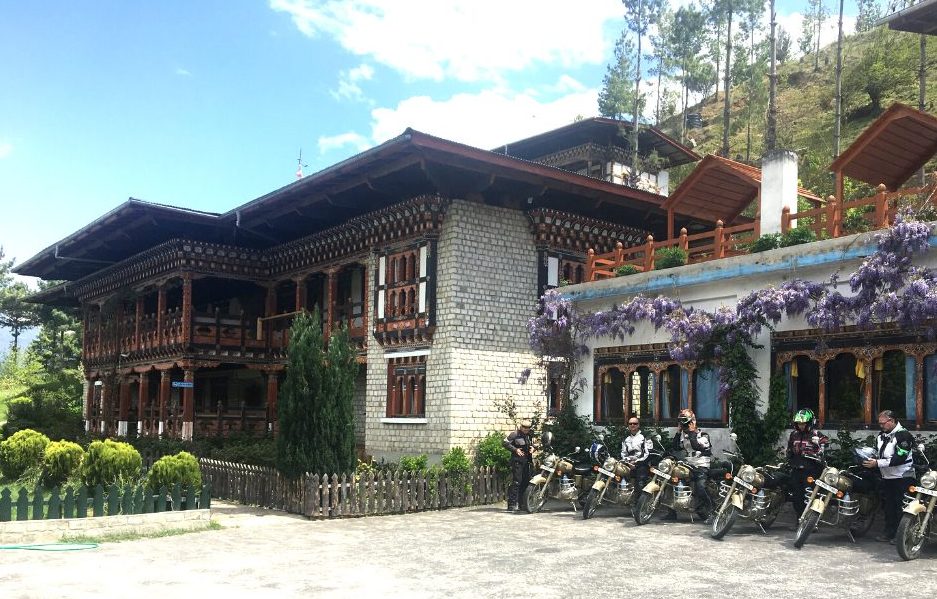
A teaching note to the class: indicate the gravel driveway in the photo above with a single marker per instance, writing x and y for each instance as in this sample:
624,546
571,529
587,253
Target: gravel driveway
470,552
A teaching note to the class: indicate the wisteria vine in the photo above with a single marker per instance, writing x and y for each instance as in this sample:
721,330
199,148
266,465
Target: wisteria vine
886,287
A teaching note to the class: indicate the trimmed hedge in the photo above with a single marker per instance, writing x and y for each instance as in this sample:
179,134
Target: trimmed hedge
60,460
107,462
181,468
21,452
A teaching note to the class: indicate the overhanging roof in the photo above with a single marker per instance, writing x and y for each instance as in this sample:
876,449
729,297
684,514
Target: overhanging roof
920,18
604,131
128,229
409,165
890,150
720,189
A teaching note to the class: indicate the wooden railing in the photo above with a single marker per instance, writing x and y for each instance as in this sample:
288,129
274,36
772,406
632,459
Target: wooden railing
700,247
880,210
826,222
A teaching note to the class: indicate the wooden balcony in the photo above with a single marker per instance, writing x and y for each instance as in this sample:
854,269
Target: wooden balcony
723,242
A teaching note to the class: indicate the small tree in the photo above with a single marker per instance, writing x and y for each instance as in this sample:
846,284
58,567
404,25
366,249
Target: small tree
315,408
296,442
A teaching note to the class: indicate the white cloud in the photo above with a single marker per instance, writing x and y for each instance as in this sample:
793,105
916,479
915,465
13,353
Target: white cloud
348,88
485,120
468,41
356,141
794,23
183,72
6,148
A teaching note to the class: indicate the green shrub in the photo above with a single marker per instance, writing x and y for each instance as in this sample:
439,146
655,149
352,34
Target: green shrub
669,258
797,236
108,462
413,463
768,241
626,269
570,430
855,222
60,460
181,468
491,452
21,452
456,461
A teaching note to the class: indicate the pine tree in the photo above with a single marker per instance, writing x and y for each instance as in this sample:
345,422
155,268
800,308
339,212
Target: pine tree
340,391
298,441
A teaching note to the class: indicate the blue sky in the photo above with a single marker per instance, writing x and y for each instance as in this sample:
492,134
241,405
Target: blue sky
206,104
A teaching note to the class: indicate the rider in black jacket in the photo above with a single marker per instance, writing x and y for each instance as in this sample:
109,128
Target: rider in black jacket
698,448
804,443
520,445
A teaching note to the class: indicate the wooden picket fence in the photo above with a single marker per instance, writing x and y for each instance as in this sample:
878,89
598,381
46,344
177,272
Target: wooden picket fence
352,495
43,504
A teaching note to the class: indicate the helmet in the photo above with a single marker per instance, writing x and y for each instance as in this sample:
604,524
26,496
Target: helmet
598,452
686,417
806,416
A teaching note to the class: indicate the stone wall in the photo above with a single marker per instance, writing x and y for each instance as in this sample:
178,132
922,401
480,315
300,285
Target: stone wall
486,290
51,531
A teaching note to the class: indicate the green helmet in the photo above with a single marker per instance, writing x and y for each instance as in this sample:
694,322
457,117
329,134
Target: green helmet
806,416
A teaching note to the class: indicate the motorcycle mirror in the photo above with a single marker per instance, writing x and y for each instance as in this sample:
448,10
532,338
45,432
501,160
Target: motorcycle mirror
546,439
920,447
577,449
733,436
657,437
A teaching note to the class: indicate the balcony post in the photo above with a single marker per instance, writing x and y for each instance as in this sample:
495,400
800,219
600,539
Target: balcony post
123,408
164,390
188,405
590,265
142,400
881,207
619,254
272,392
138,321
684,242
331,298
160,311
649,254
718,249
187,309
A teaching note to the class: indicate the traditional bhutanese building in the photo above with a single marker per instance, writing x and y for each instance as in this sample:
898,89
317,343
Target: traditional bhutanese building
432,253
845,377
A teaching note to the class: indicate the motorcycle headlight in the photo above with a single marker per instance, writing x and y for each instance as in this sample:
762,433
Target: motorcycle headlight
929,480
831,476
549,461
665,466
747,474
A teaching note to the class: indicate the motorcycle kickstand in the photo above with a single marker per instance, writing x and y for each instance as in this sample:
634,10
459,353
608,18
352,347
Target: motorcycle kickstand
761,526
851,538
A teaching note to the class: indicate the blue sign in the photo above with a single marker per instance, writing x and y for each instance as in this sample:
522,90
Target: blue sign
183,384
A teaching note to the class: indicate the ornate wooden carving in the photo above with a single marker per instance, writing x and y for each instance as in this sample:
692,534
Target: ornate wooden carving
563,231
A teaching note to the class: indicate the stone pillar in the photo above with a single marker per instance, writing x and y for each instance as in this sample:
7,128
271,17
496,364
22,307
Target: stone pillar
164,390
142,400
123,410
778,188
188,405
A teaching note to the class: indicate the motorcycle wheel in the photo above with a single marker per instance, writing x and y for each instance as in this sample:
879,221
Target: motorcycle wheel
533,498
910,536
723,521
861,524
645,508
590,505
805,527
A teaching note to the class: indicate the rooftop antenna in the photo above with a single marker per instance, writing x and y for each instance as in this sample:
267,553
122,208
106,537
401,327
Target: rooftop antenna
301,164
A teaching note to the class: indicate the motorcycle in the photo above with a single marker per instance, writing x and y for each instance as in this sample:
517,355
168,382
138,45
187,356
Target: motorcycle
561,478
755,493
671,485
840,498
612,484
916,525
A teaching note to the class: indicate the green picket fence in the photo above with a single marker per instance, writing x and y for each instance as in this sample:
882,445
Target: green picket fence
52,504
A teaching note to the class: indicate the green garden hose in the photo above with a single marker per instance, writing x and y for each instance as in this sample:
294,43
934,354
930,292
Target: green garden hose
53,546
